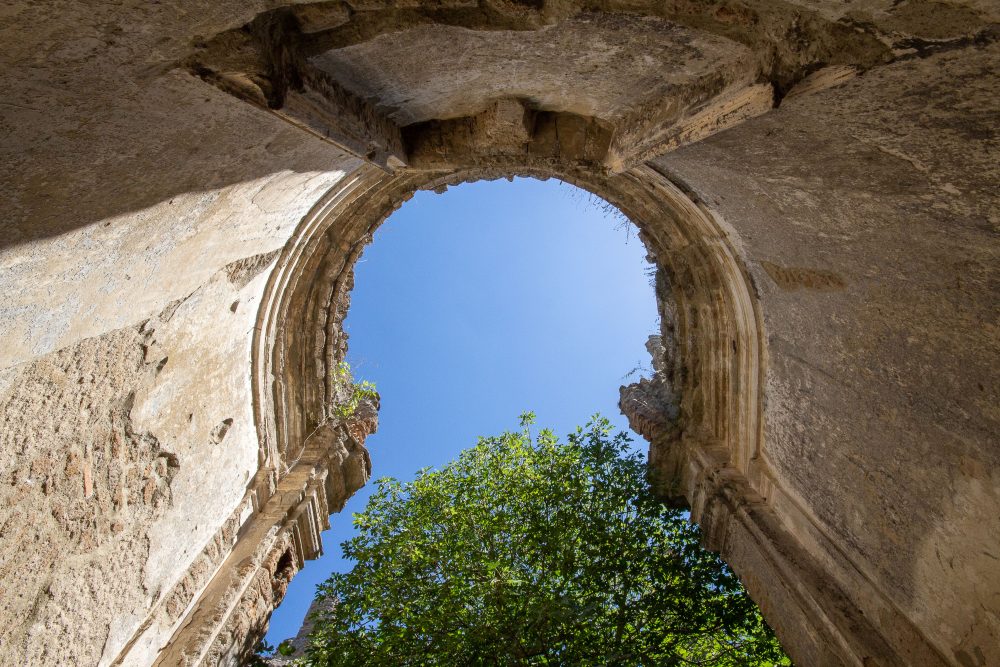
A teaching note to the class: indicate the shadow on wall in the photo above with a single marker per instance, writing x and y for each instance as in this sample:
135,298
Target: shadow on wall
157,213
82,169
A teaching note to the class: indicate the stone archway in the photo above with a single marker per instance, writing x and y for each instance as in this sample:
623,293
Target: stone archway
187,188
702,414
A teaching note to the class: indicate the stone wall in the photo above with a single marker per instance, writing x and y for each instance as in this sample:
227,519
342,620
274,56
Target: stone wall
186,187
140,230
879,281
82,477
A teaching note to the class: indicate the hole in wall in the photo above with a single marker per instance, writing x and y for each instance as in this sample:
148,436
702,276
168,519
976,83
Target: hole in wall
476,304
221,429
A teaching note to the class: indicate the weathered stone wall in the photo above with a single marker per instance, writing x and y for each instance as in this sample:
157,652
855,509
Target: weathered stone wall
139,231
186,185
83,483
868,216
125,455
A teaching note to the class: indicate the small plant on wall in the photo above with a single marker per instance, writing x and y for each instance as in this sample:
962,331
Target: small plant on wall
354,392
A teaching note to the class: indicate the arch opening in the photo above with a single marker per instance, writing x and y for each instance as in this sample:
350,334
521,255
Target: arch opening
706,454
473,305
707,315
691,250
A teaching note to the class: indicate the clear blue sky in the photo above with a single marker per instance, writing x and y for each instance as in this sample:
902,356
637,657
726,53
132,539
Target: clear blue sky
473,306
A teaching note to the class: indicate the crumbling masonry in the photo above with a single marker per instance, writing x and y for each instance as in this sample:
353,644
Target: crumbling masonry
186,186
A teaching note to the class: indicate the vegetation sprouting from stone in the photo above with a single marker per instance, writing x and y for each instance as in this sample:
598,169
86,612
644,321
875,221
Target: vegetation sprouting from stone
531,551
355,391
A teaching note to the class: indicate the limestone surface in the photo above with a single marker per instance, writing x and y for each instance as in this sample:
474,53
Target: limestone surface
187,185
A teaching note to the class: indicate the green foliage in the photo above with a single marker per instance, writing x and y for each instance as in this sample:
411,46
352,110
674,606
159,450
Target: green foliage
260,655
265,651
533,552
359,391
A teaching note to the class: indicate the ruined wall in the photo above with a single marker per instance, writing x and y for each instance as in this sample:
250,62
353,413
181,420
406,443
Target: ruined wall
113,447
140,226
167,169
83,483
130,457
868,218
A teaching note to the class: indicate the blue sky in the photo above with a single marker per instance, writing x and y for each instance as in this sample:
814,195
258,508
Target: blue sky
478,304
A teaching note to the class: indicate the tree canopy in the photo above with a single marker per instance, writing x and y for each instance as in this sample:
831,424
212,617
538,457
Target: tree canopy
531,551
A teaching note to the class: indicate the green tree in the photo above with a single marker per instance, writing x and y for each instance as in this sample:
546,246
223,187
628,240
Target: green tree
534,552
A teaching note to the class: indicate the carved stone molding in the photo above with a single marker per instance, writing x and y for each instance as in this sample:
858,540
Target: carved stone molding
706,446
823,608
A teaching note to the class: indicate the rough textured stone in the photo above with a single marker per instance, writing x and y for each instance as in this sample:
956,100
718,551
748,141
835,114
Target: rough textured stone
880,301
80,477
